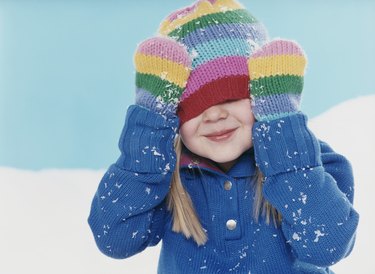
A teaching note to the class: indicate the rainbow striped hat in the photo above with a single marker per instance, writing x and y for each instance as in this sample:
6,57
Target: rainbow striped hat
218,37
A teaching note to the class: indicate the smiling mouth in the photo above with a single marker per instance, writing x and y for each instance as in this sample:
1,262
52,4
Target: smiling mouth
221,135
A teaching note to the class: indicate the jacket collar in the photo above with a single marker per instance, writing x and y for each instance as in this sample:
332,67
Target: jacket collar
244,167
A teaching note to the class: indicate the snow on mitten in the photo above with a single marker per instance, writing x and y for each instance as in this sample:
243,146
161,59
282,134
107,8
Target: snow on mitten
162,69
276,79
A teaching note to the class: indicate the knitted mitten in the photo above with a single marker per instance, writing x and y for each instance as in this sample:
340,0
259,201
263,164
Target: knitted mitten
162,69
276,79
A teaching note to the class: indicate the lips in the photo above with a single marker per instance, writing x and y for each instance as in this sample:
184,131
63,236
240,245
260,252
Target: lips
221,135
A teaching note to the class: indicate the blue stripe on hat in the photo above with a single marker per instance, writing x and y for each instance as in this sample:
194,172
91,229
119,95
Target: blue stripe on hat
219,48
253,31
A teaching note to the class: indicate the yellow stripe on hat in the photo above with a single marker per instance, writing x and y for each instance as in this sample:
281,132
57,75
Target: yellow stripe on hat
277,65
203,8
163,68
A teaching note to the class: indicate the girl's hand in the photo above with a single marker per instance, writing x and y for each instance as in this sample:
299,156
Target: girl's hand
162,69
276,79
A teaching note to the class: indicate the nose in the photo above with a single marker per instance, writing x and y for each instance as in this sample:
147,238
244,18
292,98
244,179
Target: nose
215,113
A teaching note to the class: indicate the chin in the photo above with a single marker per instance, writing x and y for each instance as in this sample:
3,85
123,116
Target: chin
222,158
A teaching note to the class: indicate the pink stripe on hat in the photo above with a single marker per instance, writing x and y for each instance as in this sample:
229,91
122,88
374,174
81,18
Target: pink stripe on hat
215,69
182,12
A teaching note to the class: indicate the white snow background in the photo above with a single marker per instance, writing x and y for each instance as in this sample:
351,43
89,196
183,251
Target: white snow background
43,214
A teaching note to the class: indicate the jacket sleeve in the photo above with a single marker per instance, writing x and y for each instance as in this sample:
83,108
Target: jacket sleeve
128,211
311,186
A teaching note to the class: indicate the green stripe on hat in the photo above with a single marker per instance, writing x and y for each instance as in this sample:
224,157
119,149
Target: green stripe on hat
233,16
277,84
158,87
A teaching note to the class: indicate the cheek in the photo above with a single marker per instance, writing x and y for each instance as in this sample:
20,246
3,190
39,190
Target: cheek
250,118
184,132
187,132
246,119
244,113
251,121
248,127
190,138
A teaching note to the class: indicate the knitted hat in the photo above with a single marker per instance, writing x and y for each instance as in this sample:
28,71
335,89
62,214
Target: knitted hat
219,36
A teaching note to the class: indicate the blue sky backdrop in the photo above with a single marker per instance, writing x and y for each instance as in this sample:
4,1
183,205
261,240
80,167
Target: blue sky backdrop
67,76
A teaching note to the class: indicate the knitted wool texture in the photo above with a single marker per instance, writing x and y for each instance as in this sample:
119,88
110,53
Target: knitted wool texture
276,79
162,69
219,36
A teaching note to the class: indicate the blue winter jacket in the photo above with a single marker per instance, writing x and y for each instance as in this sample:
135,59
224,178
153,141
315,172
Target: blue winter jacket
305,180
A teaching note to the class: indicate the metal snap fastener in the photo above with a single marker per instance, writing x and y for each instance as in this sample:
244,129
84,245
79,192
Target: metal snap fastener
227,185
231,224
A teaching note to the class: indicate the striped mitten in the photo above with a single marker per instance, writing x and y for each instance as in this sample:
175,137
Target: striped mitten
276,79
162,69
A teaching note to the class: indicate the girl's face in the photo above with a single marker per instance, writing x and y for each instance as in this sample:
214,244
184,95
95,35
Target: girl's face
221,133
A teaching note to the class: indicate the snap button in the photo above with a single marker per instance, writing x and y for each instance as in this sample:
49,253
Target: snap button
231,224
227,185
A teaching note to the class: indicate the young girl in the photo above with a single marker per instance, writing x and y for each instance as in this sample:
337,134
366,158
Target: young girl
217,160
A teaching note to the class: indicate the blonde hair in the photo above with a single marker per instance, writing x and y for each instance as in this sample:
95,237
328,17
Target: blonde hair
185,218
